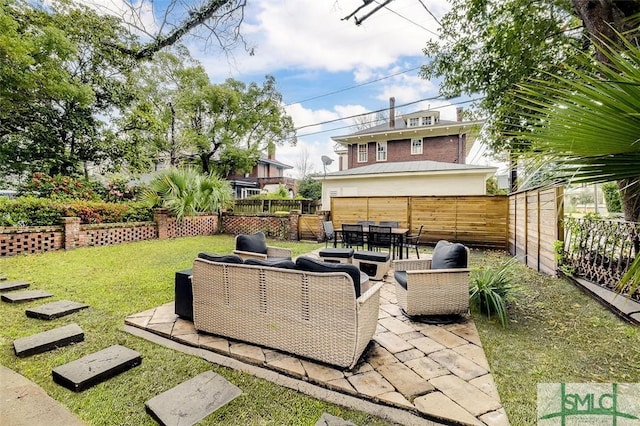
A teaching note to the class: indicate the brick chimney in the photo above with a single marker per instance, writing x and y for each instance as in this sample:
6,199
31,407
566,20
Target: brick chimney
392,112
459,113
271,152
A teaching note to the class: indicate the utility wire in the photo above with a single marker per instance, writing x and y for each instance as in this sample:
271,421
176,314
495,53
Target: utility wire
365,113
352,87
429,12
373,112
409,20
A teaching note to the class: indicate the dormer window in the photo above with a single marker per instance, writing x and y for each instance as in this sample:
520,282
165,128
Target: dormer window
414,122
427,121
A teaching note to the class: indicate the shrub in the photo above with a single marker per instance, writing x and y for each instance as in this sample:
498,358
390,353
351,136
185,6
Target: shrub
491,290
186,192
310,188
612,197
58,187
32,211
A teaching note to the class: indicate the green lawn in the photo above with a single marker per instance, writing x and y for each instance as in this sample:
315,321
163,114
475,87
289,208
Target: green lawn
120,280
557,334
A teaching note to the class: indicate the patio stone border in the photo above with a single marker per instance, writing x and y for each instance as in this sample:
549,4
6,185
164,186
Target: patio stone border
435,373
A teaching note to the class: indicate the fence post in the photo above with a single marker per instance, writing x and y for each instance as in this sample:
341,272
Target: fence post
294,219
71,232
160,216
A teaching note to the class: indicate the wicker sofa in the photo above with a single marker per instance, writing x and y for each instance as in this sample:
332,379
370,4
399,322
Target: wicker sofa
312,314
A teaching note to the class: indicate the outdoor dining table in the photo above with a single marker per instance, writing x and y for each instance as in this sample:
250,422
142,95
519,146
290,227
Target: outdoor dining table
398,235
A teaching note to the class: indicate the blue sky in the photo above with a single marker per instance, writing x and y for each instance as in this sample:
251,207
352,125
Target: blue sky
312,52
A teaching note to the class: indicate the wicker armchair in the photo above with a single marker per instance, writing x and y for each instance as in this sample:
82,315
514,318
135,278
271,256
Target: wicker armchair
421,290
255,246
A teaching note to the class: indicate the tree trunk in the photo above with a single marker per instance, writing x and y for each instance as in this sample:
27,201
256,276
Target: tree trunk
603,20
630,198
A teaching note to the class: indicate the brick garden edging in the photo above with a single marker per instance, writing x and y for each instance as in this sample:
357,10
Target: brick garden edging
72,234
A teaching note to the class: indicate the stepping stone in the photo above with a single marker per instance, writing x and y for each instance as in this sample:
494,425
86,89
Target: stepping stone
193,400
328,420
25,296
95,368
55,310
3,278
48,340
13,285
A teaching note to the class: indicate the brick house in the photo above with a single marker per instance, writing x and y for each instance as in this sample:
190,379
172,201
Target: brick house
411,154
266,176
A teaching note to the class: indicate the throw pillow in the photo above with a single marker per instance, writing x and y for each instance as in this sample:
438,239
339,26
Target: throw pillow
273,262
224,258
447,255
254,243
312,265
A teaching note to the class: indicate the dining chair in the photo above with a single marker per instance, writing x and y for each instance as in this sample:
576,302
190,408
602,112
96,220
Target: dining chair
379,237
391,223
412,241
352,235
330,233
365,222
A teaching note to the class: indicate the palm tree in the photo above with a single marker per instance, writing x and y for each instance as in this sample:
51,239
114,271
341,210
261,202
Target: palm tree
185,192
588,128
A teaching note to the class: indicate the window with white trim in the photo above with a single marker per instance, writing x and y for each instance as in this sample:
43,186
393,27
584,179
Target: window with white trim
381,151
426,121
414,122
416,146
362,152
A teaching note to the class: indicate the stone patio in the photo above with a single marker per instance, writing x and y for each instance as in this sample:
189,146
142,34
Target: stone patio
438,372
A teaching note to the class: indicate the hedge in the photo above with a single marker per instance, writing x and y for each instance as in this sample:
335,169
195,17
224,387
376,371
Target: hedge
32,211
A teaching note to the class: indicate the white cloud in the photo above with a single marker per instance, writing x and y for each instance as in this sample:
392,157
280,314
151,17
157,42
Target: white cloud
309,34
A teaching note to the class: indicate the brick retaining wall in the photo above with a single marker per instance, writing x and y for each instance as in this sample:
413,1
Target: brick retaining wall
276,227
31,239
71,234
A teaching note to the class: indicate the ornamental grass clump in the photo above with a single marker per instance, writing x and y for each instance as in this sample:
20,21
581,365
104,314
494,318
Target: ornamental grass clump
491,290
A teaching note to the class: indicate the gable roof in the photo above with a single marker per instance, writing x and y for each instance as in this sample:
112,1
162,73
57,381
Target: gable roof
411,167
266,160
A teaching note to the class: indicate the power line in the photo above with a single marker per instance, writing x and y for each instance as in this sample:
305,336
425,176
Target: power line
409,20
358,115
429,12
352,87
366,113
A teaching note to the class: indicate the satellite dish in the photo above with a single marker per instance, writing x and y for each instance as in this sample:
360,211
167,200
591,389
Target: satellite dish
325,162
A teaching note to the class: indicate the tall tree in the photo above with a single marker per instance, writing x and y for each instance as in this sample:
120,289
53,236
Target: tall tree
586,126
490,46
153,121
62,84
232,123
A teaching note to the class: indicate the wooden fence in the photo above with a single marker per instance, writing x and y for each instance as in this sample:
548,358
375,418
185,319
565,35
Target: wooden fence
535,224
478,221
257,206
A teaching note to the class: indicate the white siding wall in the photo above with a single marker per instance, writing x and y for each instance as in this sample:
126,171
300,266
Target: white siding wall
444,184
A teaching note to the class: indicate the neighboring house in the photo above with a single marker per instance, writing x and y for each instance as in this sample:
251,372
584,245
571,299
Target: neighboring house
412,154
266,176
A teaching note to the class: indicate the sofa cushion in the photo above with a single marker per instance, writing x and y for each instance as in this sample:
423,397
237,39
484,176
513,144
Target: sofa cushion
447,255
254,243
274,262
401,278
224,258
312,265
